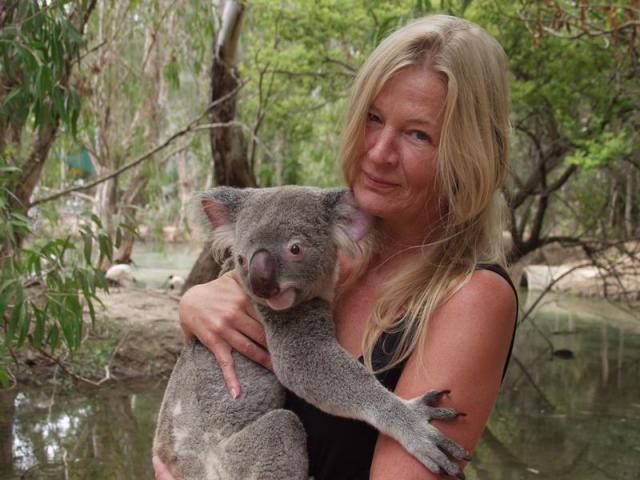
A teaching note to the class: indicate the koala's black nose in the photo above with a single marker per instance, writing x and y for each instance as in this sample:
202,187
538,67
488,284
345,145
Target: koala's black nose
262,274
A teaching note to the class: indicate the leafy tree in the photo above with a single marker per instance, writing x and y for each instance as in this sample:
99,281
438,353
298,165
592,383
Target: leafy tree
574,115
43,285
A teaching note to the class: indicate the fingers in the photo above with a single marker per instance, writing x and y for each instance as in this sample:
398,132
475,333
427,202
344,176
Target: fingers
160,470
222,351
253,329
247,347
222,317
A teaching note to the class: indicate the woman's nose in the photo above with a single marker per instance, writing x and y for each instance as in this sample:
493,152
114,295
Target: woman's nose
381,146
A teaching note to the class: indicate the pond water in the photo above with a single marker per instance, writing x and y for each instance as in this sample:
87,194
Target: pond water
556,418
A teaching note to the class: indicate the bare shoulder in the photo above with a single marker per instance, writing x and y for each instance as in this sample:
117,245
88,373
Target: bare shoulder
485,300
477,322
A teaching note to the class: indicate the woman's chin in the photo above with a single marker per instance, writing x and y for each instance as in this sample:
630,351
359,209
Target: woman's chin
370,202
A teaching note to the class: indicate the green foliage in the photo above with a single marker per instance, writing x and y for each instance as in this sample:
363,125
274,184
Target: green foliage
36,53
574,100
45,287
609,147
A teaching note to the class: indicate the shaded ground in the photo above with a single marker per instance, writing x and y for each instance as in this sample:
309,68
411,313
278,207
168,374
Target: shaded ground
137,337
149,337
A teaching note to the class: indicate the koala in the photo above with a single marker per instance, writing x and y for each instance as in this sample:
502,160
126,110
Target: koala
284,245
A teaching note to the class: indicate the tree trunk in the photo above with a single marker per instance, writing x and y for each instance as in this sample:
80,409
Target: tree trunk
629,200
230,163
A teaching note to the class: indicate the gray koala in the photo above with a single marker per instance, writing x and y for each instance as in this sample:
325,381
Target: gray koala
285,243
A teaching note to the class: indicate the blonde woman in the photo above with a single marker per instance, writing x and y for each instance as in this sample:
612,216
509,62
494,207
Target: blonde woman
425,150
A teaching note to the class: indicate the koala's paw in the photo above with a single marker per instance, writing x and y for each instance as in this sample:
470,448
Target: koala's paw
437,452
433,448
426,406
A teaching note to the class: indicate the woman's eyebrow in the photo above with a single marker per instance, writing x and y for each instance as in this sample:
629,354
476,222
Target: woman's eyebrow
422,121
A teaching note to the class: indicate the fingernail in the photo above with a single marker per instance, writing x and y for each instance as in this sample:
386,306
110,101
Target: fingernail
235,392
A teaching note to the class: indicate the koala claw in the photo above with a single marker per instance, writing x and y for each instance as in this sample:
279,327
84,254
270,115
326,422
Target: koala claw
458,475
427,403
434,396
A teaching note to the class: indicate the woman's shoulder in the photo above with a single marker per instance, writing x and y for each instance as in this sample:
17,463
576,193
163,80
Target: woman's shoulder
485,303
486,291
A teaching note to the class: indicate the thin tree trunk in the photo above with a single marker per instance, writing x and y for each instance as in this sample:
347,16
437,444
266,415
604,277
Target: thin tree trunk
611,216
629,200
230,163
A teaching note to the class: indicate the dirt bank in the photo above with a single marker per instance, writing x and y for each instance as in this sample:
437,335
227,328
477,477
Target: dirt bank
136,337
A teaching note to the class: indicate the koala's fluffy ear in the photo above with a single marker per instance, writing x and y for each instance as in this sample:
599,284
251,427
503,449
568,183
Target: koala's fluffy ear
221,205
349,219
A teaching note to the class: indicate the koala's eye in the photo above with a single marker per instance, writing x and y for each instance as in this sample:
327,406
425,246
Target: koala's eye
295,249
241,260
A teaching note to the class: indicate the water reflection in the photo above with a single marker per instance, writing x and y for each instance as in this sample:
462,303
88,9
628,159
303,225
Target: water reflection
568,419
91,435
556,418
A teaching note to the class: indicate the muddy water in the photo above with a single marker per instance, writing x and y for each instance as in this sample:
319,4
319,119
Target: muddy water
97,435
569,409
568,418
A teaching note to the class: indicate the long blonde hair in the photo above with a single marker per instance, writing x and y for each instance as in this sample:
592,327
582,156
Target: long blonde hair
472,162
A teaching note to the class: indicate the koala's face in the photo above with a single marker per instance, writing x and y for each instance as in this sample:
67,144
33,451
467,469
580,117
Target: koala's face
284,250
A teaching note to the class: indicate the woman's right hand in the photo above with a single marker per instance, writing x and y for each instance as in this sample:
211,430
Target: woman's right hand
220,314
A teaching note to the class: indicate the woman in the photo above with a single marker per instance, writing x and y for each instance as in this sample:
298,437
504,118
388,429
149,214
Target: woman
425,150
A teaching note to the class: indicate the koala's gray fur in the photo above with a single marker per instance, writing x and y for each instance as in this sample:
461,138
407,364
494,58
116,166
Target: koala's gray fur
203,433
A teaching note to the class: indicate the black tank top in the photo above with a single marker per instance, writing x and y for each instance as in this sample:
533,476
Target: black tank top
341,448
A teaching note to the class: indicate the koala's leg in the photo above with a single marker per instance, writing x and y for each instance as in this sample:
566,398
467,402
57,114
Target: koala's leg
274,447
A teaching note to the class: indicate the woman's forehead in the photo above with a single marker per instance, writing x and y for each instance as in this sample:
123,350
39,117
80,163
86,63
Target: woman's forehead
418,92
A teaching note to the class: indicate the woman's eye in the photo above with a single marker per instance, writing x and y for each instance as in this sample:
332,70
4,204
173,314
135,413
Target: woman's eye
421,136
372,117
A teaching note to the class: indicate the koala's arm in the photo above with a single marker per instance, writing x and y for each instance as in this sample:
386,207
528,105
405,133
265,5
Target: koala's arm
465,350
310,362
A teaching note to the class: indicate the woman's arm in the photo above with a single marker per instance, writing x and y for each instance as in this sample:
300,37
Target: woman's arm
466,346
222,317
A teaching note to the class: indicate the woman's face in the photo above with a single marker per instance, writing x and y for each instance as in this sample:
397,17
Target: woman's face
396,169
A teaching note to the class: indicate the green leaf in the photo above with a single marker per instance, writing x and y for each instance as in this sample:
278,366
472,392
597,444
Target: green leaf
95,219
5,379
24,324
88,243
53,338
92,312
106,247
14,93
39,329
14,322
5,296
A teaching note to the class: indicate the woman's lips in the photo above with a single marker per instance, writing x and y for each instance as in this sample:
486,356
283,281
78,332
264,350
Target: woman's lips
377,182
